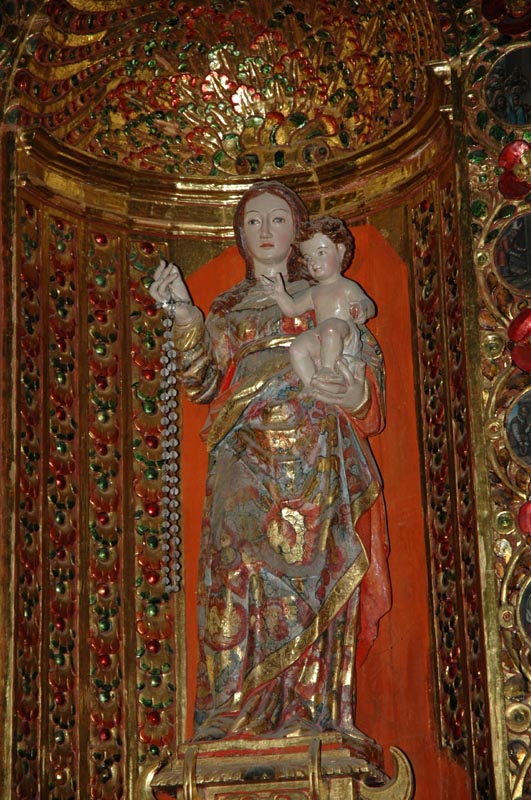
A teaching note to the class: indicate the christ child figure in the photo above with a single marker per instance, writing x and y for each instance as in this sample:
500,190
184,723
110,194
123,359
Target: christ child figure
340,304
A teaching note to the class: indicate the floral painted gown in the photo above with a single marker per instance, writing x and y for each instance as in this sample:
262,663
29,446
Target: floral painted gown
293,570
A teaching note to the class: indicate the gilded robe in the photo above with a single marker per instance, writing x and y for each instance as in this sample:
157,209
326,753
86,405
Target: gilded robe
293,569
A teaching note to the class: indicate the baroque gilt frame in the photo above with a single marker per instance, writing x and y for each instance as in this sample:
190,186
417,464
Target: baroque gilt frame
432,234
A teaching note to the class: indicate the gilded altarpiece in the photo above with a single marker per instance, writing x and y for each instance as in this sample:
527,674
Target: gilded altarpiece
90,458
96,657
497,134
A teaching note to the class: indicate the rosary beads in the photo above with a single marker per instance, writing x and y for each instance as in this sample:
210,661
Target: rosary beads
169,394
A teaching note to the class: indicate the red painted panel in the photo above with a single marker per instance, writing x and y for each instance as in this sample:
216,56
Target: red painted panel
396,694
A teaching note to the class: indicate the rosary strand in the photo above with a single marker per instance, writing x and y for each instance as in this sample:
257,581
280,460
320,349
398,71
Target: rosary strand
171,529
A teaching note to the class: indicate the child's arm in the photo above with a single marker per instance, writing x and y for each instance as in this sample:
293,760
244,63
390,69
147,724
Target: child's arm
290,306
362,307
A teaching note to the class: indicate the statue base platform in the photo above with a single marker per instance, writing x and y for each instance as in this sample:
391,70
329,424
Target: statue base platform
330,766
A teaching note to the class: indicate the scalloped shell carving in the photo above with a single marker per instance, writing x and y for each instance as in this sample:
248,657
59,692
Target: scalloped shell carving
223,88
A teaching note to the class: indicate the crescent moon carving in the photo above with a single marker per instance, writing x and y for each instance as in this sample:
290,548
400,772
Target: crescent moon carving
400,787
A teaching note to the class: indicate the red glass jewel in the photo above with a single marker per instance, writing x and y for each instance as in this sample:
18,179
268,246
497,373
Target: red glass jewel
105,734
101,315
152,509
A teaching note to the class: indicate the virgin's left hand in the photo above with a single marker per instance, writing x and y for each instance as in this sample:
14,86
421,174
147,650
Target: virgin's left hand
350,393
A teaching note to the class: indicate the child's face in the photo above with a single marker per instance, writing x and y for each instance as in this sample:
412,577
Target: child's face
323,257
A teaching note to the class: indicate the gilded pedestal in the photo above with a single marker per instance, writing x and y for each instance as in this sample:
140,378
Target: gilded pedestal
325,767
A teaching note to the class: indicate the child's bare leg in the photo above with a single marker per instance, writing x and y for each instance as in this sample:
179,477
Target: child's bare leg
304,354
354,344
334,333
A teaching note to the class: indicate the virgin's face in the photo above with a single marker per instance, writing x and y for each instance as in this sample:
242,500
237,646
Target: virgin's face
268,230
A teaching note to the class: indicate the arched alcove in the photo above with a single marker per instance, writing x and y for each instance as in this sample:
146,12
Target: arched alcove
96,665
89,344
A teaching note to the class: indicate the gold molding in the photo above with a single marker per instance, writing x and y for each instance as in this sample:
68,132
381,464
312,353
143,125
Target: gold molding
204,207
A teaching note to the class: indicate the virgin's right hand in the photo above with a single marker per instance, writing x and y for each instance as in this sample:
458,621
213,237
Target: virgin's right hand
168,285
273,285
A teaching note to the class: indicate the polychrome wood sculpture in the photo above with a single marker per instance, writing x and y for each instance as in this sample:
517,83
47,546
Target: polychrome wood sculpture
293,555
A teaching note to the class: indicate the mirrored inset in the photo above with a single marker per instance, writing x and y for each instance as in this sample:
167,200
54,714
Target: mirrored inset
508,87
512,255
525,610
518,428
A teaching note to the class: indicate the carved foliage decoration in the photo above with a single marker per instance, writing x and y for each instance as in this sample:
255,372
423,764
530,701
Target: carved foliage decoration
464,511
229,89
12,21
437,465
450,505
31,433
510,16
496,86
90,552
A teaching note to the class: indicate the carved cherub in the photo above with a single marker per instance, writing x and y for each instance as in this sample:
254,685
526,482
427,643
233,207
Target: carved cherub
339,303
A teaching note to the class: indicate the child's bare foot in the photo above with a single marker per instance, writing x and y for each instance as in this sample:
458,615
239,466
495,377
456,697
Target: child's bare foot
327,375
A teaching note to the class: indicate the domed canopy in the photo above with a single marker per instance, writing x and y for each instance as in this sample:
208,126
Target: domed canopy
223,88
